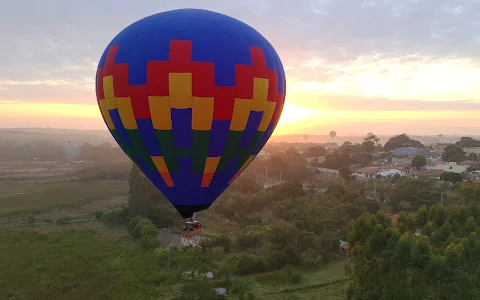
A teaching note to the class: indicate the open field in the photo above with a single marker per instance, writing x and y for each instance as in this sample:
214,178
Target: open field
87,259
37,171
34,196
327,283
75,265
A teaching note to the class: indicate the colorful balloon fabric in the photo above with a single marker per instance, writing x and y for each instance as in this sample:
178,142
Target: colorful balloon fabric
191,96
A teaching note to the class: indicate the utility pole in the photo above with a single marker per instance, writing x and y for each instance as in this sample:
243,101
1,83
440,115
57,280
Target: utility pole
441,198
280,177
375,190
266,174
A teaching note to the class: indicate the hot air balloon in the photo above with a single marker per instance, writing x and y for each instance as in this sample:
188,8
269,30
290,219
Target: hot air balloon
191,96
333,134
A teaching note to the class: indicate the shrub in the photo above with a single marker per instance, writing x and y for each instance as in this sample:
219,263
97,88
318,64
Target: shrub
142,229
63,220
31,220
98,214
117,216
295,277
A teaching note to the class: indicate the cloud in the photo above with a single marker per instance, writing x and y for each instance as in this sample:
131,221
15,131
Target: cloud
61,41
356,103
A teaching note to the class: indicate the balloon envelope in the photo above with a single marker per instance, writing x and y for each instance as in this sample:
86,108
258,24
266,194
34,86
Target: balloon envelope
333,134
191,96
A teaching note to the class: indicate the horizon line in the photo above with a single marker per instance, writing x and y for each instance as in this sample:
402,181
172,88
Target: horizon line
274,135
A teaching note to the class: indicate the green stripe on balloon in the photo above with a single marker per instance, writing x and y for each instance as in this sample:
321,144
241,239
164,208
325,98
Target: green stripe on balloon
140,148
167,147
200,142
231,146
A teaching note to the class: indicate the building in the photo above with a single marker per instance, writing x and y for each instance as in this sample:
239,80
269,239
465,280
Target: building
470,150
406,151
390,170
449,167
429,174
390,173
367,172
404,155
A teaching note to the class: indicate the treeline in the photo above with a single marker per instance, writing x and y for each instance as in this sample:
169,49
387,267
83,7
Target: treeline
284,225
434,254
105,171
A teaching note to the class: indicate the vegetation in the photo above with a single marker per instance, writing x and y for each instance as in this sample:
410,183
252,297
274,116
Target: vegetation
102,230
418,161
434,255
401,140
76,265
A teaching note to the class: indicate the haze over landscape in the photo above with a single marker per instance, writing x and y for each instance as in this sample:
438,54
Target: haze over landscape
368,188
352,66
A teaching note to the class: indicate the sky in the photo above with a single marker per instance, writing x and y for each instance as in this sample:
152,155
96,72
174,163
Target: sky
353,66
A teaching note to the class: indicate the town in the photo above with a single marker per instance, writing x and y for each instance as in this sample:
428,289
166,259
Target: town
401,156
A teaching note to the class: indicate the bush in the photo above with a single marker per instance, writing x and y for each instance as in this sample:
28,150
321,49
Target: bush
98,214
31,220
245,264
216,253
142,229
63,220
223,241
295,277
248,241
117,216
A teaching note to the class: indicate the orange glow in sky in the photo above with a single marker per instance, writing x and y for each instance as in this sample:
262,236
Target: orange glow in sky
361,75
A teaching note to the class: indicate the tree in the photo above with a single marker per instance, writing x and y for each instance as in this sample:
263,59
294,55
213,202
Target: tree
418,161
451,177
315,151
467,142
402,140
245,184
453,153
437,262
345,173
145,200
199,291
367,146
337,160
371,138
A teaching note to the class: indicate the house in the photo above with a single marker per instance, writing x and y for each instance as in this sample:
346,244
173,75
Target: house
406,151
330,146
390,173
367,172
404,155
470,150
467,163
389,170
449,167
429,174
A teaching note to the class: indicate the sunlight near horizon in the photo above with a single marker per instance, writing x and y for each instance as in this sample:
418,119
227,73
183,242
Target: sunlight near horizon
294,119
445,80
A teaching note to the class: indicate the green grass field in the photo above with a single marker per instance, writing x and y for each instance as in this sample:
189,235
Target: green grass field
87,259
95,261
26,197
70,264
326,283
